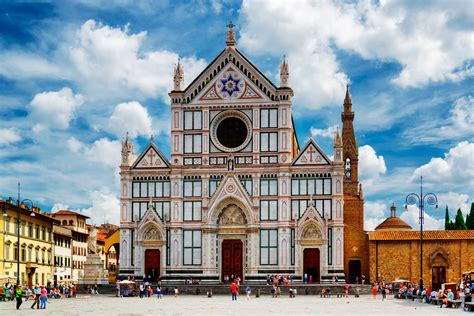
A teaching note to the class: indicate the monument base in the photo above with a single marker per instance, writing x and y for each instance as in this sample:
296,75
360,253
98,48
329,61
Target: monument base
94,272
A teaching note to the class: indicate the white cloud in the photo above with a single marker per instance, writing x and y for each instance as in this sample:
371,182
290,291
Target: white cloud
20,65
59,206
374,213
105,207
74,145
9,135
55,108
110,60
105,151
455,201
458,125
431,43
455,170
326,132
371,166
411,217
131,117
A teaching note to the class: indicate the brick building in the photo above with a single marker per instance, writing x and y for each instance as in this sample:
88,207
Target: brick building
395,253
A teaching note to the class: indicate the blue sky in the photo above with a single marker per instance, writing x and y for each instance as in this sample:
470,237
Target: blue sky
76,75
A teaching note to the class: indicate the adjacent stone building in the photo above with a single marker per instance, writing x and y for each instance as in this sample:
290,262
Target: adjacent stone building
36,247
395,253
238,195
62,253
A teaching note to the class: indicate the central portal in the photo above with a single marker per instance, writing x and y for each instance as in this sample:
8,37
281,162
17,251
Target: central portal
311,264
152,264
232,258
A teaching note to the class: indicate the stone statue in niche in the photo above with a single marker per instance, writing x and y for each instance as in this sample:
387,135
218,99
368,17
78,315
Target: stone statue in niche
312,233
151,234
232,215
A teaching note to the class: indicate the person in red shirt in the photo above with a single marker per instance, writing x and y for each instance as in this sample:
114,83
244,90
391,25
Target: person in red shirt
234,289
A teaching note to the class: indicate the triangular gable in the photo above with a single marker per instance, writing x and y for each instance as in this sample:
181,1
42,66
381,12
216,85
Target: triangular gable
230,186
231,84
211,76
311,154
311,214
151,157
150,216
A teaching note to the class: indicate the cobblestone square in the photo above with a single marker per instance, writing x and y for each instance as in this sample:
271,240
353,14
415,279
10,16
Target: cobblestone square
222,305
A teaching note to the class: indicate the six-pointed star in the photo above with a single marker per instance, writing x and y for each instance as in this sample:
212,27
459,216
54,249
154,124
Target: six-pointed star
230,85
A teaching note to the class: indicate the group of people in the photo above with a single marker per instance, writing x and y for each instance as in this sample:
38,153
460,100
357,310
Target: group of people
279,280
38,293
232,278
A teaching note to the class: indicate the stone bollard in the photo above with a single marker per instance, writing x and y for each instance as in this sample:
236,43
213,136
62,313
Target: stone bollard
209,293
198,291
258,293
306,291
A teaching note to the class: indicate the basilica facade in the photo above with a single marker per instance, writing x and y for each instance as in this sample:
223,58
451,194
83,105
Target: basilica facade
238,195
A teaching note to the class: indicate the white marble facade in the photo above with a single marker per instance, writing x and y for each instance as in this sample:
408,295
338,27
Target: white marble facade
236,188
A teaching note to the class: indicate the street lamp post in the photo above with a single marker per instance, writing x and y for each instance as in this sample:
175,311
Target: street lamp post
413,199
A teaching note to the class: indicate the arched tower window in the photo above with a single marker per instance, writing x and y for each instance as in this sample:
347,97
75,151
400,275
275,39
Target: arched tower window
348,168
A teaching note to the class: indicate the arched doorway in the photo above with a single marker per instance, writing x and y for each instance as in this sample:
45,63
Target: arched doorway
152,264
311,260
232,223
439,263
232,258
355,274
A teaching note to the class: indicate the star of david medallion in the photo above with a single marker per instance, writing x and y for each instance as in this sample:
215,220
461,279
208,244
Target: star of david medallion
230,85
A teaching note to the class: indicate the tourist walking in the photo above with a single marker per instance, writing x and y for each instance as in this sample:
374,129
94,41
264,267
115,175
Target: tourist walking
18,296
36,297
247,290
141,290
384,293
44,297
158,292
374,291
346,289
234,290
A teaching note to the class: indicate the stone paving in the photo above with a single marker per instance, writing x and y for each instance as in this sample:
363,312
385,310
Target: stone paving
222,305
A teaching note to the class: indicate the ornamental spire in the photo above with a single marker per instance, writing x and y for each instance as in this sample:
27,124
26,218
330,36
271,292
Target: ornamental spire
179,77
127,151
347,100
284,73
230,40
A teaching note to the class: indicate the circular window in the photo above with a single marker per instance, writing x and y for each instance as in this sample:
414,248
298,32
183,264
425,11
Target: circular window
231,131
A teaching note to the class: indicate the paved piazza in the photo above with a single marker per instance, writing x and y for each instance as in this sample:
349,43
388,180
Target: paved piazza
222,305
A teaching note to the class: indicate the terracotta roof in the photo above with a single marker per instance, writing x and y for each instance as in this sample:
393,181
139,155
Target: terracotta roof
427,235
393,223
68,212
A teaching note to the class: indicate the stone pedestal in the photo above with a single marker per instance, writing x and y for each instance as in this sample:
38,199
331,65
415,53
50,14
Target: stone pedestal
94,272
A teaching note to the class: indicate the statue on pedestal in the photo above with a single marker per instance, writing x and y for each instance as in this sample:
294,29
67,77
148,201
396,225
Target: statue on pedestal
92,241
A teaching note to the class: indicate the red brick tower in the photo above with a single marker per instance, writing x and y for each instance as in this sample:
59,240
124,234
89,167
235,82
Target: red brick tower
356,255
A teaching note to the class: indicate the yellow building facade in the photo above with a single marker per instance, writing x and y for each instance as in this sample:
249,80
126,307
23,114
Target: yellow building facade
35,248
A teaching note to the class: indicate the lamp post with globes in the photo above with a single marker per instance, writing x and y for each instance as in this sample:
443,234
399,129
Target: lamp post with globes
24,202
421,200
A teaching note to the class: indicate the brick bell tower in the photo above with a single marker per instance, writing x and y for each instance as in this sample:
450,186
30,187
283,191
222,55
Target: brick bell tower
356,251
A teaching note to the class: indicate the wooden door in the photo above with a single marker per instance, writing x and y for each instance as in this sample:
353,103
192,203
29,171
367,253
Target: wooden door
152,264
438,277
311,264
232,258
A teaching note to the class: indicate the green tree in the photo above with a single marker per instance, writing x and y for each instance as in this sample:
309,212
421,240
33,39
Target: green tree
470,218
459,221
448,224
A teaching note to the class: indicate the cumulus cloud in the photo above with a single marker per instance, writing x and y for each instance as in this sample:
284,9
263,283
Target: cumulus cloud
371,166
411,217
55,109
111,60
455,201
325,132
455,170
9,135
59,206
105,151
429,42
374,213
74,145
105,207
131,117
21,65
456,126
